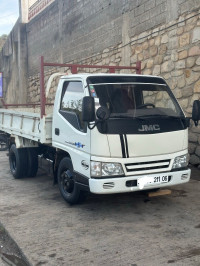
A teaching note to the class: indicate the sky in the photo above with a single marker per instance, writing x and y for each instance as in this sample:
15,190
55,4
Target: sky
9,13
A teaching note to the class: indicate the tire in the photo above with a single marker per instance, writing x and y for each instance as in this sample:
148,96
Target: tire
3,143
32,162
55,173
18,162
67,185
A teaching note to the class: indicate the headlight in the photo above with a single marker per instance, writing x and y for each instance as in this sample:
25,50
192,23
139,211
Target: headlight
180,161
99,169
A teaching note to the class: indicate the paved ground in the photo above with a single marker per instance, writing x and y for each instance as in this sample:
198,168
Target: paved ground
126,229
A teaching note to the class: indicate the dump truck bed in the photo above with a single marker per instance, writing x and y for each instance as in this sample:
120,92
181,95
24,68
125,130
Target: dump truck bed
27,123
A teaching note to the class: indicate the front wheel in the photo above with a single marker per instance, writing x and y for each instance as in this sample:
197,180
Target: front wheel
67,185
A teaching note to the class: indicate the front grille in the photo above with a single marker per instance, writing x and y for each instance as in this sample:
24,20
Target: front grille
146,166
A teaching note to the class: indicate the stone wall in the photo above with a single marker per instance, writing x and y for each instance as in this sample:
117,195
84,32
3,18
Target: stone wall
163,34
72,30
171,51
67,31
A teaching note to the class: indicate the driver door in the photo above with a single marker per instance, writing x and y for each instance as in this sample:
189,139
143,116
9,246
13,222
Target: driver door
70,133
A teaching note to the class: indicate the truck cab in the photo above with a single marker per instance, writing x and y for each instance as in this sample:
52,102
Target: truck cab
120,133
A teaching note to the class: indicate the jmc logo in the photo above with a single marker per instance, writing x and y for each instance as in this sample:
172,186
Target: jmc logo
149,128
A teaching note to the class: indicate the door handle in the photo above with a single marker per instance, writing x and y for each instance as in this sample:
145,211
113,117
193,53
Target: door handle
57,131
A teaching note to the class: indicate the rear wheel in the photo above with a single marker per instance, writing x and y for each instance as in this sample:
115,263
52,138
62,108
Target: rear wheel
67,185
18,161
32,162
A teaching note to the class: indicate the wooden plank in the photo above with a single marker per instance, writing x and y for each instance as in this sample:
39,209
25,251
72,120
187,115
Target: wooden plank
160,192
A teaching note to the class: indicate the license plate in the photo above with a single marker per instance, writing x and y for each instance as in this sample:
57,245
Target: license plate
160,179
152,180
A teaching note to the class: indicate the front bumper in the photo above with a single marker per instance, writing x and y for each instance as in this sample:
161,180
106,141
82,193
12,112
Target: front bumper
130,183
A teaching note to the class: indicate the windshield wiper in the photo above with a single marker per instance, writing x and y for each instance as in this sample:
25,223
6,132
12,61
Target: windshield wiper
127,116
121,116
165,116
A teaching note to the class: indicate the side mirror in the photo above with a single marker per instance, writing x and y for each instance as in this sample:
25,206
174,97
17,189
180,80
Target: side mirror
103,113
196,112
88,110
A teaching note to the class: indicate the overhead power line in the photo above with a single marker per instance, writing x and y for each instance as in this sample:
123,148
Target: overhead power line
6,16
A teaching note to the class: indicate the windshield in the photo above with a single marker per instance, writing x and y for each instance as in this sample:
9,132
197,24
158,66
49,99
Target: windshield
136,99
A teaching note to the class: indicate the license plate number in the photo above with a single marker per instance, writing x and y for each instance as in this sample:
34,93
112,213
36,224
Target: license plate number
160,179
152,180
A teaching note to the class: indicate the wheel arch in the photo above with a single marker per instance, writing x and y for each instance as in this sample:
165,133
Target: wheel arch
69,188
22,142
60,154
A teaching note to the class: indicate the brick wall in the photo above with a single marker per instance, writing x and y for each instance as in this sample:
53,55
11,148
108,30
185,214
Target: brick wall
72,30
166,42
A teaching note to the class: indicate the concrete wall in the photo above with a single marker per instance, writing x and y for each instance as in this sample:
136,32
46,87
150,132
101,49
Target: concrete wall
163,34
72,30
69,31
2,41
81,28
13,64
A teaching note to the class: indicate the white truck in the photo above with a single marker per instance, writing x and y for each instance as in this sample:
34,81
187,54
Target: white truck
108,133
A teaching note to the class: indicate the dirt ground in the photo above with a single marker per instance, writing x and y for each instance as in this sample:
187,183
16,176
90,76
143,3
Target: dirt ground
123,229
10,253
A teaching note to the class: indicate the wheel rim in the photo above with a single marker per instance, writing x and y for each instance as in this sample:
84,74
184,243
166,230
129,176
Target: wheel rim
13,162
67,182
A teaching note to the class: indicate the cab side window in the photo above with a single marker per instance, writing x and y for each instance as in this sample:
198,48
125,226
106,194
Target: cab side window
71,104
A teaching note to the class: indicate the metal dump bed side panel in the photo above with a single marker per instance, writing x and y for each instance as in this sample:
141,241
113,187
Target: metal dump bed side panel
27,125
